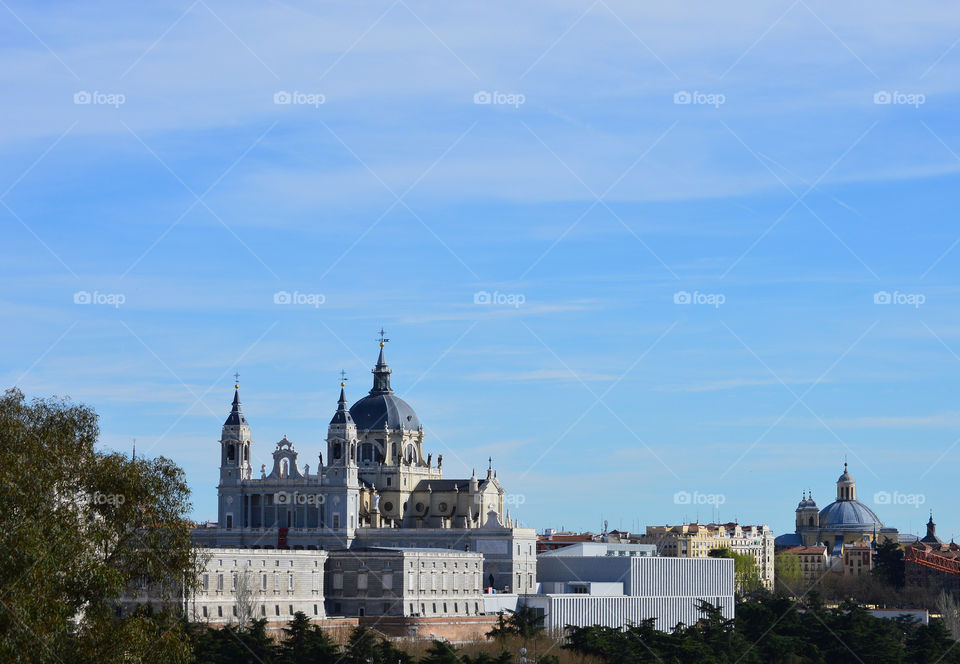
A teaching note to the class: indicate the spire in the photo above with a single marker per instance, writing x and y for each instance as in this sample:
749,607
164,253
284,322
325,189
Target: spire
381,372
342,416
235,418
931,536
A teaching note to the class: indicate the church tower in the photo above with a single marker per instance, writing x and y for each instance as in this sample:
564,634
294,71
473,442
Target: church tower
808,516
235,441
342,441
931,536
343,499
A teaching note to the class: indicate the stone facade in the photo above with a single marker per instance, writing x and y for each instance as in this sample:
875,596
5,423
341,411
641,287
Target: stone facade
235,585
421,583
858,558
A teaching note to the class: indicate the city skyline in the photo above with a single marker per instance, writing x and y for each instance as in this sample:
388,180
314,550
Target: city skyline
627,252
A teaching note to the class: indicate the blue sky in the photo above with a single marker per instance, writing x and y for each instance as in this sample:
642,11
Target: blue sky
783,199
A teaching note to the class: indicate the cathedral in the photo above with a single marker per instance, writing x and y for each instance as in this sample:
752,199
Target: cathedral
373,486
844,521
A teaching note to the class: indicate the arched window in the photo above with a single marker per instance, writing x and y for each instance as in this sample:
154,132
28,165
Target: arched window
284,467
231,452
810,521
336,450
366,453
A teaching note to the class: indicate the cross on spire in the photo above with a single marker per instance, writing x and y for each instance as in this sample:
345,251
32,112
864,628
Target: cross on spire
382,339
343,377
236,379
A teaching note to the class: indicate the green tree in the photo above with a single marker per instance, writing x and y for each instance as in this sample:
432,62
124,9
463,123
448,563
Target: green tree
258,646
788,577
364,645
888,564
78,528
305,643
932,643
441,652
526,622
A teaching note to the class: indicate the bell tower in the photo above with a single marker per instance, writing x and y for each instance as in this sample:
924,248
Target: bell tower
342,441
235,441
235,445
808,516
342,507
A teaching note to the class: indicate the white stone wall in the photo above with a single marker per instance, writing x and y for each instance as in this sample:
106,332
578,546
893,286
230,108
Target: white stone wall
280,584
404,582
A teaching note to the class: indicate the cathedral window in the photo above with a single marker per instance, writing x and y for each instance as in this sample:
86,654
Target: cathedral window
336,451
231,452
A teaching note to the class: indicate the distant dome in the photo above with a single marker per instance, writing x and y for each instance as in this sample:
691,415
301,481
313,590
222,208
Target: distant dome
788,539
848,515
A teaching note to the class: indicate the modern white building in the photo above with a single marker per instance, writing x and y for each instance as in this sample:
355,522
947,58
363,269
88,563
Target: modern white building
595,583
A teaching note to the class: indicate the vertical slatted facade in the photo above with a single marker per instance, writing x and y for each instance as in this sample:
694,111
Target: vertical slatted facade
664,588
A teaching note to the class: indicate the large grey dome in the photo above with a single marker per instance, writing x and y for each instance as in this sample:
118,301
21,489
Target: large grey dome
848,514
373,410
382,407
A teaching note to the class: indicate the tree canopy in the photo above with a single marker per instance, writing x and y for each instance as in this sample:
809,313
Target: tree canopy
79,528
